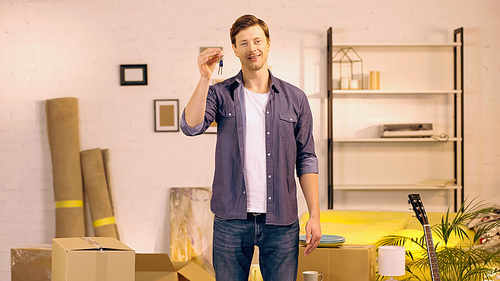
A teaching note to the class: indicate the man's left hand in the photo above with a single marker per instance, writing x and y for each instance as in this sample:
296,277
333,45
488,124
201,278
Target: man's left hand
313,235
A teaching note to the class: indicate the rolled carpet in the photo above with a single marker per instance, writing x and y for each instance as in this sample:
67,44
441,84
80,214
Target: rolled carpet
64,140
96,189
107,170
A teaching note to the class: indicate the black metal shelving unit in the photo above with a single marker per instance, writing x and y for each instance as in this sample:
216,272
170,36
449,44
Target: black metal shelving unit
458,68
458,50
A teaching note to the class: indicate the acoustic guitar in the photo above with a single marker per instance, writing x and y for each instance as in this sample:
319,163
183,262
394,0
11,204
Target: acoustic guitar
418,208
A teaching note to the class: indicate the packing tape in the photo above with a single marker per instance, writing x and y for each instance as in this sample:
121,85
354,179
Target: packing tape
69,204
93,243
101,268
104,221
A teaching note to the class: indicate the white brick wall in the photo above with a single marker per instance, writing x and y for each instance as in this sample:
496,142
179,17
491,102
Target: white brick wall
51,49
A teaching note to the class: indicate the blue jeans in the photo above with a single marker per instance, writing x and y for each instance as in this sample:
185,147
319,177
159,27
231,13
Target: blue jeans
233,247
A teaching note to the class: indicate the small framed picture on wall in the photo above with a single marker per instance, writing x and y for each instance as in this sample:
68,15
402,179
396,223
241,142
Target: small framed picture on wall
133,74
166,115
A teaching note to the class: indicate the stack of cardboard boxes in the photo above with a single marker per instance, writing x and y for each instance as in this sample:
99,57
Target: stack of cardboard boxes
107,259
98,259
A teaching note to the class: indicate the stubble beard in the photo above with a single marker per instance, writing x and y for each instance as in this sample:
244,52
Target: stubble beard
258,65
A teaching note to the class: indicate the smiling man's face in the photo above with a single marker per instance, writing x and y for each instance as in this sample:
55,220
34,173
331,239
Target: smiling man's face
251,47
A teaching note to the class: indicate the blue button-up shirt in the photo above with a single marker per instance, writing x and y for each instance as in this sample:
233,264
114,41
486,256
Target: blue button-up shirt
289,146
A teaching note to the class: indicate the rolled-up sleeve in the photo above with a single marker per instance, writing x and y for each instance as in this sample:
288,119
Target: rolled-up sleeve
210,114
308,165
188,131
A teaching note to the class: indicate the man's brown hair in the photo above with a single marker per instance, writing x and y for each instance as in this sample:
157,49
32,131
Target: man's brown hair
245,22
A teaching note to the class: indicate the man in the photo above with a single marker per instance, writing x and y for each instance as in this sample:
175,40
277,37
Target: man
264,133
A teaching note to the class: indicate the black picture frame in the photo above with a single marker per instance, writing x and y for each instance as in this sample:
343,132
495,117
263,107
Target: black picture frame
133,74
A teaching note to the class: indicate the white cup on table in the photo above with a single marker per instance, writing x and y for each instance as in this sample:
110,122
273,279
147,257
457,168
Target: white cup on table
312,276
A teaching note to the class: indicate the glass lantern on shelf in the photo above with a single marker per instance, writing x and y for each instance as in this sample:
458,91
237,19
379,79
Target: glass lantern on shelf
346,60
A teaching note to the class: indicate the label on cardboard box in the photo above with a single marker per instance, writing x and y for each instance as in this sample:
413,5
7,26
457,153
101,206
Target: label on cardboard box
92,259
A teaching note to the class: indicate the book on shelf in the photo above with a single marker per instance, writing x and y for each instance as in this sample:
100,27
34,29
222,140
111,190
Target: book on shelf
436,182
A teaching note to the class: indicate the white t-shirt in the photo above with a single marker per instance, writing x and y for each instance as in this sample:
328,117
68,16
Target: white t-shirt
255,151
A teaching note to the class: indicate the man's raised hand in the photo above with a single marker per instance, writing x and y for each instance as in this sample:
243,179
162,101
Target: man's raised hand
207,61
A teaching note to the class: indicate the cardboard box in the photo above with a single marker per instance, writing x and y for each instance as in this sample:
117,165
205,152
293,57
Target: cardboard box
33,263
344,263
92,259
159,267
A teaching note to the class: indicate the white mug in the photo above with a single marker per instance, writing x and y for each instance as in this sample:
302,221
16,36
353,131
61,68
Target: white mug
312,276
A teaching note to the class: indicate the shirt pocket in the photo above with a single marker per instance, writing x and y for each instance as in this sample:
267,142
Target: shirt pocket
226,123
287,124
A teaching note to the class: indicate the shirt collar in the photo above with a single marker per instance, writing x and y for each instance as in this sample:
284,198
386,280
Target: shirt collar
274,81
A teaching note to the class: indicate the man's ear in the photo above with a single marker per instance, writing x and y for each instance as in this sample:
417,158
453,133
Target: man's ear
269,45
234,50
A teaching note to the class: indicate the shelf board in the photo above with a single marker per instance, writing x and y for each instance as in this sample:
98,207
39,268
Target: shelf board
393,187
395,92
368,44
394,140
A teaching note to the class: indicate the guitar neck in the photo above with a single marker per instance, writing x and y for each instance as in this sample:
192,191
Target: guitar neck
432,253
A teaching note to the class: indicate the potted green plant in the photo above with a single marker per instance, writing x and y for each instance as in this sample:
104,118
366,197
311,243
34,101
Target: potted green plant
469,262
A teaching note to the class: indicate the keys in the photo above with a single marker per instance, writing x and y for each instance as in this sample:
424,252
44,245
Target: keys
221,65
